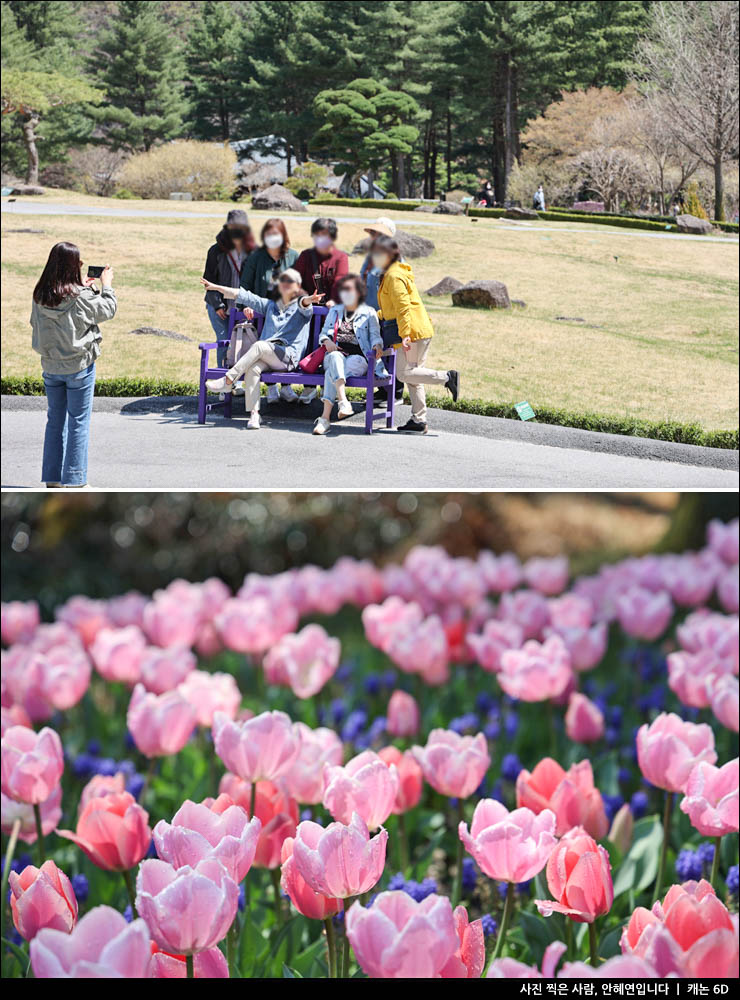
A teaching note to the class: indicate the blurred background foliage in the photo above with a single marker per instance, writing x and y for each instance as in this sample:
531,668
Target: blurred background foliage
102,544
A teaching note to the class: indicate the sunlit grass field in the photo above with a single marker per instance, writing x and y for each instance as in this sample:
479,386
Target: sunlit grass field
658,338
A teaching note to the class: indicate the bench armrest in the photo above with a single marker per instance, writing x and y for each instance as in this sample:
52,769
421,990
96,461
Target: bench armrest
213,346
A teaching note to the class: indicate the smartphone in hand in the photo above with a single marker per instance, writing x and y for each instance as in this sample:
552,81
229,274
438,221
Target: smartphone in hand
95,272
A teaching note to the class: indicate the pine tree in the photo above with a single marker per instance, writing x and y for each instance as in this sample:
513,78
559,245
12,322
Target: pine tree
213,57
141,73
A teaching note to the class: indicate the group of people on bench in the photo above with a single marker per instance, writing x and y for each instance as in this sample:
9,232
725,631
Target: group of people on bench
379,306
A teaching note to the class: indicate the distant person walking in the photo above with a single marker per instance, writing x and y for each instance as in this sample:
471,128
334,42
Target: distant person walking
539,199
485,195
224,262
65,314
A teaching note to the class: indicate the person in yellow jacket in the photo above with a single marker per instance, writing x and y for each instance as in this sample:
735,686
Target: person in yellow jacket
407,327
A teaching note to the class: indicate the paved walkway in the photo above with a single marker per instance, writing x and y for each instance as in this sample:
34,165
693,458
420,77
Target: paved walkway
138,444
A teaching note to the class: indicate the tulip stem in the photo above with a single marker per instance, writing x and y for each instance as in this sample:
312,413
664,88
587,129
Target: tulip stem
569,939
664,846
345,949
252,797
457,886
39,834
508,908
593,947
403,844
231,942
275,876
715,864
331,947
130,890
190,967
10,851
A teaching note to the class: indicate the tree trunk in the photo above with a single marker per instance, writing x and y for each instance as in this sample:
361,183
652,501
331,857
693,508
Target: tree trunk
448,150
508,126
433,167
427,152
370,174
719,190
394,174
30,125
401,176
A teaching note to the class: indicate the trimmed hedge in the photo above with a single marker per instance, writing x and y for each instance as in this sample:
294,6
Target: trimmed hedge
666,430
727,227
396,206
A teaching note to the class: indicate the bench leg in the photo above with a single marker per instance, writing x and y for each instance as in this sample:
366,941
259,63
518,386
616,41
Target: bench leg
202,392
391,404
228,399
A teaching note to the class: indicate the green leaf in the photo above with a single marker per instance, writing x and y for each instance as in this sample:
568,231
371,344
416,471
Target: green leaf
289,973
640,866
538,933
609,943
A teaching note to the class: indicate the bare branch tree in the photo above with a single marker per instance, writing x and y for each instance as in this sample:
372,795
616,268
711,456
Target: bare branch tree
690,57
668,163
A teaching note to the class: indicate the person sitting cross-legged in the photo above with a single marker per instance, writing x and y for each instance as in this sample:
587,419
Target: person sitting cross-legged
351,331
283,341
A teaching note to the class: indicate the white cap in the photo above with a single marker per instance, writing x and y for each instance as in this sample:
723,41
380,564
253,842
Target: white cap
290,272
382,225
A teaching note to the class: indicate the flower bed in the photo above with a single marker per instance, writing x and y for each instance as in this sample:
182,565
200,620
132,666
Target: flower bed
447,768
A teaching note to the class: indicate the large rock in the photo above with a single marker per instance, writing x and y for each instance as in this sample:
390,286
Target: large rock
482,295
426,208
515,212
410,244
27,189
444,287
449,208
277,198
691,224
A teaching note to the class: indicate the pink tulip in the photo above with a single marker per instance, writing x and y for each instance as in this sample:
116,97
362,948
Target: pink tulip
710,630
410,778
470,957
127,609
500,573
366,785
525,608
189,909
170,620
579,876
548,576
622,829
724,697
586,646
306,900
497,637
537,671
669,748
690,935
161,670
571,611
253,626
571,795
453,765
711,801
307,659
727,589
383,622
117,653
14,715
273,807
113,831
692,675
160,724
619,967
18,621
509,968
338,860
402,715
51,813
42,681
318,747
509,846
398,938
262,748
214,829
87,617
31,764
584,721
423,650
211,693
102,946
724,540
42,897
102,784
643,614
208,964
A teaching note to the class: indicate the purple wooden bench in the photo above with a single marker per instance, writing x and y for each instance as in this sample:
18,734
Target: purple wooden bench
368,382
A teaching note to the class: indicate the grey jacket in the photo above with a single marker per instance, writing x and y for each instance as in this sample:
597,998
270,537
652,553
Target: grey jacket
68,336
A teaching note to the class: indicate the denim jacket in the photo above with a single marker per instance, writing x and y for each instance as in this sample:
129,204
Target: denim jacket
366,327
288,326
371,276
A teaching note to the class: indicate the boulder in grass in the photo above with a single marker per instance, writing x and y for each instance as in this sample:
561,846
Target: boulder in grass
426,208
515,212
449,208
446,286
27,189
692,224
410,245
482,295
155,331
277,198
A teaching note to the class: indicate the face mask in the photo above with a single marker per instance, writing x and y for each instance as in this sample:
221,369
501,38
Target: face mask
380,260
348,297
273,240
322,242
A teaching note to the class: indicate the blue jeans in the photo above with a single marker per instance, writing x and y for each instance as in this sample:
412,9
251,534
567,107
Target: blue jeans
221,329
69,399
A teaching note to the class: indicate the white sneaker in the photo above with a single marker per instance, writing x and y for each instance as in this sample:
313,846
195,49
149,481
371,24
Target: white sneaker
321,426
345,410
273,393
288,394
54,486
254,421
218,384
306,397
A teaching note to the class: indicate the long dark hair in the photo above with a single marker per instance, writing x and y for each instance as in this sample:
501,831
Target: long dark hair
388,244
280,226
61,277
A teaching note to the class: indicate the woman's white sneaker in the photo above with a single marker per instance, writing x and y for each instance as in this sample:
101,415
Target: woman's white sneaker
288,394
273,393
321,426
306,397
218,384
345,410
254,421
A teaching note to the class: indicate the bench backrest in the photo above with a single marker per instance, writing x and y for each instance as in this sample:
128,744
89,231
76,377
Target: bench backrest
319,312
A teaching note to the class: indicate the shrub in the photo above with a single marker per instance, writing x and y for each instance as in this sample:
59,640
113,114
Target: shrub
692,203
96,169
399,206
307,179
202,168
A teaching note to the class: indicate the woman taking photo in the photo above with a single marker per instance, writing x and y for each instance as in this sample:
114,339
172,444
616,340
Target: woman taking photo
407,326
65,315
351,331
260,274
